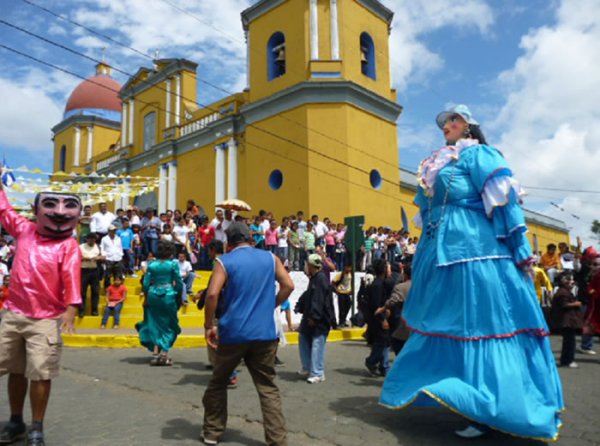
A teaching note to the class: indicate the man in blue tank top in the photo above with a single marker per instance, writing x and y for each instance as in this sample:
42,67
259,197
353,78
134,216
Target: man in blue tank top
246,276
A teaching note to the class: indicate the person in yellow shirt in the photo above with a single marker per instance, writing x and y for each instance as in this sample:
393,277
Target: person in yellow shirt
550,262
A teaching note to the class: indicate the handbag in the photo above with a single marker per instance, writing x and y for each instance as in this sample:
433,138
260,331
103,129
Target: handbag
358,320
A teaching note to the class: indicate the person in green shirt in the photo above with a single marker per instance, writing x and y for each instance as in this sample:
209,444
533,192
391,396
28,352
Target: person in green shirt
294,247
309,239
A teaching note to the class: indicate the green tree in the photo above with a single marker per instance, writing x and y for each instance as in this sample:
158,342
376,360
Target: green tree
596,228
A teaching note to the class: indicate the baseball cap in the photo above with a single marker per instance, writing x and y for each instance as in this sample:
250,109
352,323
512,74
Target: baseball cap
315,260
237,232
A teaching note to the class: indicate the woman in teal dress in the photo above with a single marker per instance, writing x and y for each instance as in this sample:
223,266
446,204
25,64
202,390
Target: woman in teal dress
162,287
479,342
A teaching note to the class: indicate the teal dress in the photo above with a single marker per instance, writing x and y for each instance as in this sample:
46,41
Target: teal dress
162,285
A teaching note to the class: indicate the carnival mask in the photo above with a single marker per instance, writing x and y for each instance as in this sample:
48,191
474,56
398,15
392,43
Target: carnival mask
57,214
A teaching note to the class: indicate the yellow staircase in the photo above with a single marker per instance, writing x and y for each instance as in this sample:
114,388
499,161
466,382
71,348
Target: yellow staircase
89,334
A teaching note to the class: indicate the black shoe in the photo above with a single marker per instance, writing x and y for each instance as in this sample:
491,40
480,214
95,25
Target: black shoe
279,362
35,438
12,432
94,313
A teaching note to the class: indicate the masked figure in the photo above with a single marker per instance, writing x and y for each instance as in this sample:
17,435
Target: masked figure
44,297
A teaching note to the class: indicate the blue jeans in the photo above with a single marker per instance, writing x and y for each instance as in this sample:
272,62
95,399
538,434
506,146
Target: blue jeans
116,311
379,357
150,244
312,353
587,341
188,281
128,261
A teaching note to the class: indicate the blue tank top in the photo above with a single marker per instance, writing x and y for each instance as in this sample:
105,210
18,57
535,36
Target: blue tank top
248,296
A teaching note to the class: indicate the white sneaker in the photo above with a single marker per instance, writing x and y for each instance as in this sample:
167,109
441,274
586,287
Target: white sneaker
303,373
315,379
471,432
573,365
586,351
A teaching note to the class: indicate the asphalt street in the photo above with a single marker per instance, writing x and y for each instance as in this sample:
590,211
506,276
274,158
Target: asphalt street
113,397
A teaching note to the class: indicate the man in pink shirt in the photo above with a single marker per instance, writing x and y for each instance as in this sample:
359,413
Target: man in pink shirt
45,293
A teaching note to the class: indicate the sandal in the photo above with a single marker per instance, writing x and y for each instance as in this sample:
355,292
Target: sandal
161,360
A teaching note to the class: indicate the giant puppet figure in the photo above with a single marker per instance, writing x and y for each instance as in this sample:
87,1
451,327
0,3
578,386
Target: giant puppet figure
45,293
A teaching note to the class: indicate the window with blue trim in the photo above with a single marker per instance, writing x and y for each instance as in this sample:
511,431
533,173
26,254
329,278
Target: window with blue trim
62,158
375,179
276,56
367,56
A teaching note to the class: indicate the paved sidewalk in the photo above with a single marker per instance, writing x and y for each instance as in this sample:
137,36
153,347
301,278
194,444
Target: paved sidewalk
112,397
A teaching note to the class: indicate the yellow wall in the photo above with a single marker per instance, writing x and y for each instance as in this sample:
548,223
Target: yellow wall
196,178
103,139
292,20
260,153
354,19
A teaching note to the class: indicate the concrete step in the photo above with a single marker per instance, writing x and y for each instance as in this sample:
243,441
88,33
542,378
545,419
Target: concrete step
129,320
189,337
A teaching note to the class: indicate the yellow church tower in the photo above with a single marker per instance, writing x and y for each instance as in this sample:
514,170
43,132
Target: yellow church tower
91,123
321,113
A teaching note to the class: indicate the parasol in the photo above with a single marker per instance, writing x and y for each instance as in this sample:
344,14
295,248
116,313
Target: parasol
234,204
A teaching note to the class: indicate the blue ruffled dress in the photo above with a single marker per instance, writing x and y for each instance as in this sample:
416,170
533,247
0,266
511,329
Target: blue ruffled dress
478,342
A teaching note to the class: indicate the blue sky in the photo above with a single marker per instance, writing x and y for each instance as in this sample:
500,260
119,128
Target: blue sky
529,70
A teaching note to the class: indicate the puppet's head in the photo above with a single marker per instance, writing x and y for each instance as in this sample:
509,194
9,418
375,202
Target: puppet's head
57,214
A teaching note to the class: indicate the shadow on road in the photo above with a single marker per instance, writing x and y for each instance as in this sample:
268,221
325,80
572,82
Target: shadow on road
420,426
179,429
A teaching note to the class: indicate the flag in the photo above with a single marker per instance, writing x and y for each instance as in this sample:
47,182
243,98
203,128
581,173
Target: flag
7,177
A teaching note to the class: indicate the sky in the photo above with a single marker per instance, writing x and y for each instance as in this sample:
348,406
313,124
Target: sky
528,69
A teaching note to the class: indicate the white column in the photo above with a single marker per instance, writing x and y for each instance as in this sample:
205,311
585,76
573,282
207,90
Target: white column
335,38
168,104
76,153
162,188
131,115
124,125
219,173
232,169
177,98
247,36
172,194
90,143
314,31
125,199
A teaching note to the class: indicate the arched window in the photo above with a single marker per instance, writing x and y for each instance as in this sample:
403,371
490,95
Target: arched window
62,163
276,56
149,130
367,56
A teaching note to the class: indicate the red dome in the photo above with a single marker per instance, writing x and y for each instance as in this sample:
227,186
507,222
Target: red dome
96,92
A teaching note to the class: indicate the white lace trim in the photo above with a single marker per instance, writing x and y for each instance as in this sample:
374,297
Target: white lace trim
522,225
431,166
473,259
497,191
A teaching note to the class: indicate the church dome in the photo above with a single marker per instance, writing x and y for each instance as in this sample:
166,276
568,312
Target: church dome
96,96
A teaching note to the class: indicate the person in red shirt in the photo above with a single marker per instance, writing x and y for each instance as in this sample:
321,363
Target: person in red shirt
4,292
206,234
592,315
116,294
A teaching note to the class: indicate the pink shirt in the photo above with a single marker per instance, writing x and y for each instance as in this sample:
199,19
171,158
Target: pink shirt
46,273
271,237
330,238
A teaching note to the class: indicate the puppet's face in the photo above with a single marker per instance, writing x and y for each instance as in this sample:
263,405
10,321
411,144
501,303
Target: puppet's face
57,214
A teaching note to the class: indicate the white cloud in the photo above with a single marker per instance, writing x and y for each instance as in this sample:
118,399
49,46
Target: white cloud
27,115
551,119
411,60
